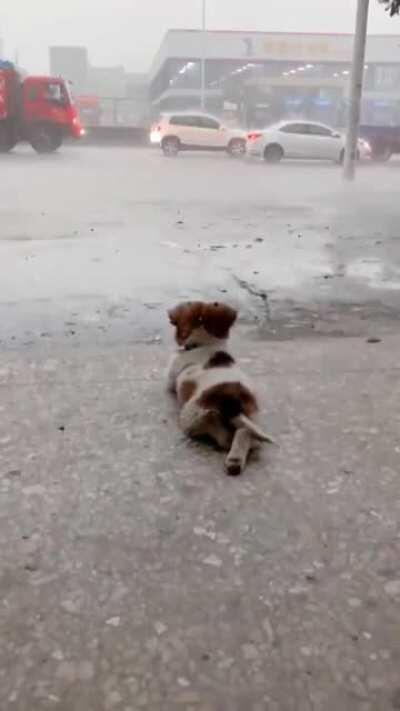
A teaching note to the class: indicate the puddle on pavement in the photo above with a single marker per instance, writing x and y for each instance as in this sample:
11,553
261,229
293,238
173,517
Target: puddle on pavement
374,272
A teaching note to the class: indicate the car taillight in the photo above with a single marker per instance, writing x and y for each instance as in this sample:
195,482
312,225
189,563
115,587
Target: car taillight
253,136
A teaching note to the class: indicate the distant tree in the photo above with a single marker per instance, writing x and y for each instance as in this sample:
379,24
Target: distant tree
392,6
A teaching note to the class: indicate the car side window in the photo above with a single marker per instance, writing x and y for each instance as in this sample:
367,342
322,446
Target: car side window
297,128
182,121
316,130
207,122
197,122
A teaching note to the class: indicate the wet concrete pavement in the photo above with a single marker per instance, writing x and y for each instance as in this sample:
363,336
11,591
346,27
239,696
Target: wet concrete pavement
95,243
136,575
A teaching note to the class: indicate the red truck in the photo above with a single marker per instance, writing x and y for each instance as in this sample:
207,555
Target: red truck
37,109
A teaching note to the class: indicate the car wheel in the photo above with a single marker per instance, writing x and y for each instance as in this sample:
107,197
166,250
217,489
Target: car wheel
382,155
237,148
170,146
273,153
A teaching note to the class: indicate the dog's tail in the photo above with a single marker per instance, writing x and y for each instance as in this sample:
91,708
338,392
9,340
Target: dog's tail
235,404
248,424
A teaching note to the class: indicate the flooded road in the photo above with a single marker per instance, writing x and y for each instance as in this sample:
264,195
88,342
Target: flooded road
96,243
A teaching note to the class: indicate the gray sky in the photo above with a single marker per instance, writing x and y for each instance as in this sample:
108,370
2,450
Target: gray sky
130,31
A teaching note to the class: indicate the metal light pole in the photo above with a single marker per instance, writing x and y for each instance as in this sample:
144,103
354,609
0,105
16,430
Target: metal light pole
203,56
357,76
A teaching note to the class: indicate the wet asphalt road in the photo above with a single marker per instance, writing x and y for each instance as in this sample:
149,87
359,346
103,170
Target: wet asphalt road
95,244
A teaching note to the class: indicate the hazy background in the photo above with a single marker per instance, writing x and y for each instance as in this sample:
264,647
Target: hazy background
129,31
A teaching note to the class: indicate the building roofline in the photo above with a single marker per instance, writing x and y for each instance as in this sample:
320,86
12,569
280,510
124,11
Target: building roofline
176,34
276,32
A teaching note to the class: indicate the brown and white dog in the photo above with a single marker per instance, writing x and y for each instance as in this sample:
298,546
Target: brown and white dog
216,398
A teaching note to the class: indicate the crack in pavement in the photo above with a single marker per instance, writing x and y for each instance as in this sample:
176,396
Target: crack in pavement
257,293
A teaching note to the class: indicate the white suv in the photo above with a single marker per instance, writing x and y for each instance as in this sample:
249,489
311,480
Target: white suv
196,131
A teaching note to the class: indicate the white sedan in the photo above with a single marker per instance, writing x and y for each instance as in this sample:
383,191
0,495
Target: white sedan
301,139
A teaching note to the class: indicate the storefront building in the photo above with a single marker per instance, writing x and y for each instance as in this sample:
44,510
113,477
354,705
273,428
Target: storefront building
258,78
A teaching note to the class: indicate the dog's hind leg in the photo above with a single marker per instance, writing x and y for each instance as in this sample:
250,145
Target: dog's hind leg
197,422
221,435
243,443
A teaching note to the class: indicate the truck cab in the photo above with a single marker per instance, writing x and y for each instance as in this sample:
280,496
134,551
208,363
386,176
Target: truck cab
49,113
37,109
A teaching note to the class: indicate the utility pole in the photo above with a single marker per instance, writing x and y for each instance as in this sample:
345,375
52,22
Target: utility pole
357,77
203,55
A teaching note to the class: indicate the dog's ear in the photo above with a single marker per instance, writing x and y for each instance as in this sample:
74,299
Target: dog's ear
218,319
186,318
190,312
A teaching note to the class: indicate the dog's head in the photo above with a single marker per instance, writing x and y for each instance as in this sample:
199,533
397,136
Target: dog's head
199,323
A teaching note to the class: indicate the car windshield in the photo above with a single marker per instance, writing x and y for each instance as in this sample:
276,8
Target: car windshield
199,355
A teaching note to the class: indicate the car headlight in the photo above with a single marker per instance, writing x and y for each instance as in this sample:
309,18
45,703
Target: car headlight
364,144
